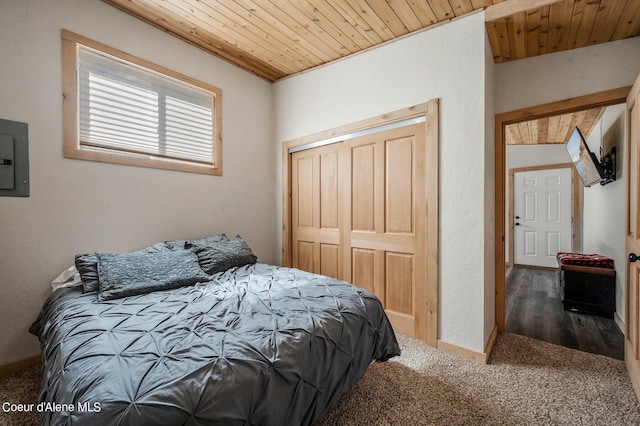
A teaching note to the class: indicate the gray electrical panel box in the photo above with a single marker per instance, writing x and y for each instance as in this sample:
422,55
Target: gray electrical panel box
14,159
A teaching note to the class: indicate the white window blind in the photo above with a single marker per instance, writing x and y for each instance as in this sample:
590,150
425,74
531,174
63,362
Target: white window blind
127,109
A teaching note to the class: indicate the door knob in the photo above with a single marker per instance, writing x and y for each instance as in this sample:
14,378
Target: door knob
517,217
633,257
517,223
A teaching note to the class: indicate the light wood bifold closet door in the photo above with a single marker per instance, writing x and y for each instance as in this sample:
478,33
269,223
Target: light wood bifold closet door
359,213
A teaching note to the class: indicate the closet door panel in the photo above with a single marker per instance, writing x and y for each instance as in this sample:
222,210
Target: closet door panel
399,185
399,282
315,196
363,174
305,256
329,255
304,192
381,231
363,267
329,190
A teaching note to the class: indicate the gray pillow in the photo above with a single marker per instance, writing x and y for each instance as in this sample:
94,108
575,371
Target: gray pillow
128,274
223,255
87,264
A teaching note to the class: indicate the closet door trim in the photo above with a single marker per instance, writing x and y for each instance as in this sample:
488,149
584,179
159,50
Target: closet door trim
359,133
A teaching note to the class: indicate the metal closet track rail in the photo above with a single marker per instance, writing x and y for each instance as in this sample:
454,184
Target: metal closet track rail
359,133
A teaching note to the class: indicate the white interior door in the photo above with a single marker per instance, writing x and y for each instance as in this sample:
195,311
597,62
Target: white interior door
542,216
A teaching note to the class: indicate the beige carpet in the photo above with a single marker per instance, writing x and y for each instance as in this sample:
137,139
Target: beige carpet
527,382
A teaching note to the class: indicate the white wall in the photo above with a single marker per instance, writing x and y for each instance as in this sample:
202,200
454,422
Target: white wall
535,155
446,62
563,75
81,206
604,217
489,196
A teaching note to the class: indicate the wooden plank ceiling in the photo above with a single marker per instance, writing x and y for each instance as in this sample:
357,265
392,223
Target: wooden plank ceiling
278,38
552,130
565,25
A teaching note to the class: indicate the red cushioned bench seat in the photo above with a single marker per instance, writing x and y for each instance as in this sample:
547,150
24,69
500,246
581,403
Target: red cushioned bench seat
582,259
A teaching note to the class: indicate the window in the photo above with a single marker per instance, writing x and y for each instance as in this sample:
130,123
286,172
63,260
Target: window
121,109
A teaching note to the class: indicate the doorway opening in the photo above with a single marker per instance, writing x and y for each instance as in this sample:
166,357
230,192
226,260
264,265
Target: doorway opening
505,272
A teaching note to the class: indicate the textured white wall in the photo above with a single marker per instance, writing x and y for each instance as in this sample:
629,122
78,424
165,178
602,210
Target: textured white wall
535,155
563,75
447,62
489,195
604,217
81,206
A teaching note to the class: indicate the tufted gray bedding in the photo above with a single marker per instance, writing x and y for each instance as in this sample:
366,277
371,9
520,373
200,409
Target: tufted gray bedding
258,344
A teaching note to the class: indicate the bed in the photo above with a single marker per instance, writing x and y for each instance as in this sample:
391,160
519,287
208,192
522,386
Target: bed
254,344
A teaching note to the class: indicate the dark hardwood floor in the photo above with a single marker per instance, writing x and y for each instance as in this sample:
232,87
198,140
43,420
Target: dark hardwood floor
534,309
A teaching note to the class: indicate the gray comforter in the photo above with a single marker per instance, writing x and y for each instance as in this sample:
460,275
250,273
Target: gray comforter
259,344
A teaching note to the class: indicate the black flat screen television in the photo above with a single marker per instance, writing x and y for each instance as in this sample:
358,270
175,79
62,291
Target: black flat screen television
585,162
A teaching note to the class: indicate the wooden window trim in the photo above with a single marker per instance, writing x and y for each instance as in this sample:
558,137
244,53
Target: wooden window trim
71,140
